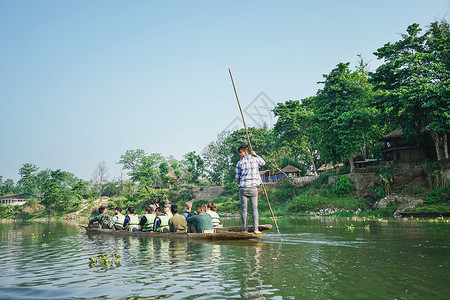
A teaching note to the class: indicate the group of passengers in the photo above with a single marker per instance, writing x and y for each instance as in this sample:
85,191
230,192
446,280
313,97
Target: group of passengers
161,219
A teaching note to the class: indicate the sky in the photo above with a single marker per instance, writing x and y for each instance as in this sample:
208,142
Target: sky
83,81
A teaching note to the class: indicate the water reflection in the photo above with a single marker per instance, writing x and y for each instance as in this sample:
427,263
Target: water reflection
253,284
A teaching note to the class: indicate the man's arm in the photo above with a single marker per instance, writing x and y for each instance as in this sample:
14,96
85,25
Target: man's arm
156,223
259,159
113,221
238,173
142,222
191,219
125,222
96,219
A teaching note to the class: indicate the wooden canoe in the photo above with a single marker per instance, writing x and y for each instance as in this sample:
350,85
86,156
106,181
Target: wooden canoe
239,228
218,236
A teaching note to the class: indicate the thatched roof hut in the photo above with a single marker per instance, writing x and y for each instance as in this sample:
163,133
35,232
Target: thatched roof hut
291,169
330,166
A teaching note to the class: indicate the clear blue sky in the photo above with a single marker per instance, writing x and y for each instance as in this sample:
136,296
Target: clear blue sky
83,81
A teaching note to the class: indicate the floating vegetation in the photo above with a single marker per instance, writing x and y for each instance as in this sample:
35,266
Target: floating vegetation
440,219
44,245
106,261
352,227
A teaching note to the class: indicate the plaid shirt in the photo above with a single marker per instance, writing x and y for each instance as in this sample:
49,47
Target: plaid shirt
247,171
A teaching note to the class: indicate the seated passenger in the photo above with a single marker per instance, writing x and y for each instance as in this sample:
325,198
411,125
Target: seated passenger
211,210
167,210
117,220
177,223
202,221
187,208
161,223
131,222
102,219
147,220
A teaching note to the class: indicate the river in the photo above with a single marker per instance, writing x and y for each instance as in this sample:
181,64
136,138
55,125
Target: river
312,258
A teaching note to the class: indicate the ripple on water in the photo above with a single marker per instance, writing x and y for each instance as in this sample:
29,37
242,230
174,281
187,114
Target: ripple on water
317,264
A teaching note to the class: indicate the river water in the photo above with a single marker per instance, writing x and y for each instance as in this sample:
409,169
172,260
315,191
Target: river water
312,258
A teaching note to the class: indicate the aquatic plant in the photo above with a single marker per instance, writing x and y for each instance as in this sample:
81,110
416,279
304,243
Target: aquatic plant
106,261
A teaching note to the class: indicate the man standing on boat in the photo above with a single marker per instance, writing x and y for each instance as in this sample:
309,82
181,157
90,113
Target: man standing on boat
248,180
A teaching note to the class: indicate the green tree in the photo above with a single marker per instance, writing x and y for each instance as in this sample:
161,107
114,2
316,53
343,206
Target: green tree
143,169
27,180
291,128
216,156
414,82
163,173
60,192
7,187
343,122
195,166
131,160
148,170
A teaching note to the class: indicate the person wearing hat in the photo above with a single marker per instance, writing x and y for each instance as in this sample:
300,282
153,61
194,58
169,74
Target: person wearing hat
167,210
117,220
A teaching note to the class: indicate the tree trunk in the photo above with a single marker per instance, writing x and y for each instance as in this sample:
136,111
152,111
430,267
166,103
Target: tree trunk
435,137
312,161
352,165
445,145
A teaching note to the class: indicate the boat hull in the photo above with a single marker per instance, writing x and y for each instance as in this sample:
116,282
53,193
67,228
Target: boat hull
219,236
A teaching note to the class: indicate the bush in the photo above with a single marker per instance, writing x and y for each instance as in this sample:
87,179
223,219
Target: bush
439,196
284,192
344,185
321,180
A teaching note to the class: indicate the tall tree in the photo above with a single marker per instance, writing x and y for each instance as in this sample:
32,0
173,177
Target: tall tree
343,122
131,160
291,128
414,79
195,166
60,192
27,180
7,187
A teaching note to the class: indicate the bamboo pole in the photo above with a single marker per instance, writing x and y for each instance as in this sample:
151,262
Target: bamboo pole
251,149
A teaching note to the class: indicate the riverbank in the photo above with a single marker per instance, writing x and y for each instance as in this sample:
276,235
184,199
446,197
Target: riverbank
386,190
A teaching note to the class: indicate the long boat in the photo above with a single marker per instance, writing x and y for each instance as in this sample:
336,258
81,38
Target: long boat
220,235
239,228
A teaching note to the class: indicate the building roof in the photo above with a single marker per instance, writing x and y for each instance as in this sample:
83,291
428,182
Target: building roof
330,166
11,196
290,169
392,135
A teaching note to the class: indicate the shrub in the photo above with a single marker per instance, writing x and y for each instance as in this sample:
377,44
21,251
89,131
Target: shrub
344,185
439,196
284,192
321,180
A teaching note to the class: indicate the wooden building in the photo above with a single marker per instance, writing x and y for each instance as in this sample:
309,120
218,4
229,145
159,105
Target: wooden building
399,149
15,199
